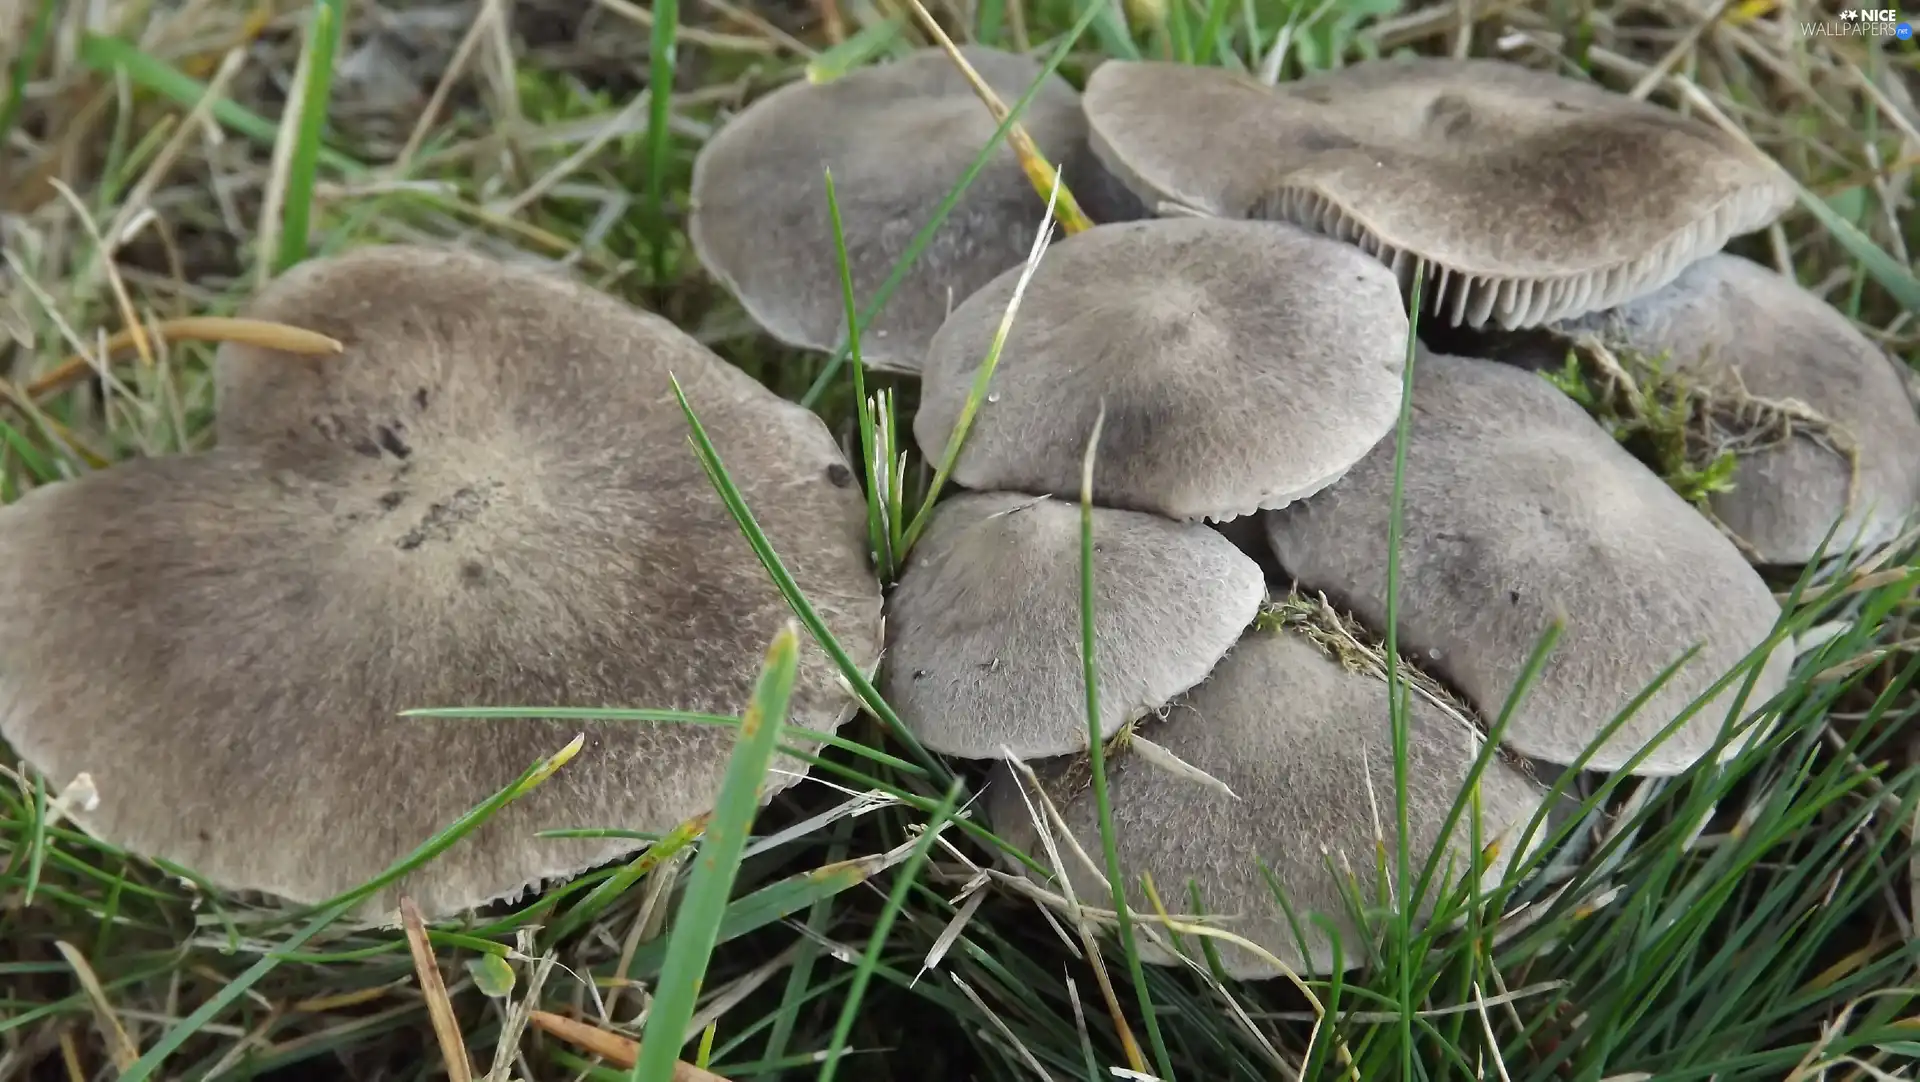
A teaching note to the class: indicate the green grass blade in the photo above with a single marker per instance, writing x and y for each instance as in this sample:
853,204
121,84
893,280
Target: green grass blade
661,47
697,923
1097,758
24,64
109,54
1396,681
743,516
1886,270
982,379
925,236
323,41
878,534
896,900
769,904
333,909
863,45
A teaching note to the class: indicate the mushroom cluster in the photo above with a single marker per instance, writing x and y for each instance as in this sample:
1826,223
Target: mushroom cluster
486,499
1241,328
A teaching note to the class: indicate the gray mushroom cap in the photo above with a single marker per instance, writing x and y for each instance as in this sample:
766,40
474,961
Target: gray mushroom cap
1241,365
1728,320
984,632
1533,197
486,500
1306,747
897,137
1519,508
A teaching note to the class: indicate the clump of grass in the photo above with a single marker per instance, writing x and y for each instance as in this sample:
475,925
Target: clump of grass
1690,428
1745,921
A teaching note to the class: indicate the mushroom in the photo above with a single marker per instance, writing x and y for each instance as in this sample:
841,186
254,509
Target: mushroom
983,631
1241,365
897,138
1304,749
486,500
1533,197
1518,509
1747,332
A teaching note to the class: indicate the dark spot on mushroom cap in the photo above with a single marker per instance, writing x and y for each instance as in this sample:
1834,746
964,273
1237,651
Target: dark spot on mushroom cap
392,499
1449,115
1320,139
629,583
420,398
839,476
390,440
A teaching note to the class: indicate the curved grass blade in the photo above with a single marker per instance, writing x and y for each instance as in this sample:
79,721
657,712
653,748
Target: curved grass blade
1097,758
110,54
335,908
661,44
896,901
323,40
736,504
925,236
697,923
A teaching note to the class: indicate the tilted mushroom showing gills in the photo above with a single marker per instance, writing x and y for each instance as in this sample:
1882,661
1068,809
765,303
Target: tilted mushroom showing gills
1241,365
1737,327
897,137
984,632
1306,745
1532,197
487,500
1518,508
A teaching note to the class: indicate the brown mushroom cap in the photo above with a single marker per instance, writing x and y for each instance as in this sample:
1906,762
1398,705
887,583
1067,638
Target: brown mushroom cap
1534,197
1241,365
1730,316
1306,746
487,500
898,137
1518,508
983,631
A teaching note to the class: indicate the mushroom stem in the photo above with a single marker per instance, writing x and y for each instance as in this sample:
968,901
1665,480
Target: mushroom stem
1044,177
251,332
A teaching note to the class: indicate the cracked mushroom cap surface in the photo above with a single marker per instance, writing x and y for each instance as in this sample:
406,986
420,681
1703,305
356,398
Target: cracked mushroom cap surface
1735,325
487,500
1306,746
984,631
897,136
1518,508
1533,197
1240,365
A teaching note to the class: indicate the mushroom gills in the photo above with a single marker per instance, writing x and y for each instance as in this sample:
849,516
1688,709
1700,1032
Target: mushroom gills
1531,197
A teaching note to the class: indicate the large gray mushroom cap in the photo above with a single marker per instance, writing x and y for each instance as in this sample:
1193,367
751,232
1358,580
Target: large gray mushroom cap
487,500
1740,328
984,633
1534,197
1306,746
1518,508
897,137
1241,365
